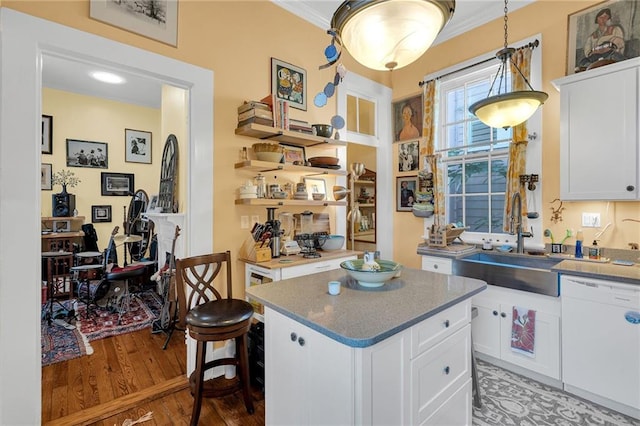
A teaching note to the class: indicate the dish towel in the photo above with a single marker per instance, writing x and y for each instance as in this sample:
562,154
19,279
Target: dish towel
523,331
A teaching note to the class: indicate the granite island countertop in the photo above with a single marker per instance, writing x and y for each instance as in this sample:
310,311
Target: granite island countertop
359,316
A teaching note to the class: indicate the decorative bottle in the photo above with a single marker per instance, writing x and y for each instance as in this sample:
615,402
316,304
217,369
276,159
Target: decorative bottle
579,239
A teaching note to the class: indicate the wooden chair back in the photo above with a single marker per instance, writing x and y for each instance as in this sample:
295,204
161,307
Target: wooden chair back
195,278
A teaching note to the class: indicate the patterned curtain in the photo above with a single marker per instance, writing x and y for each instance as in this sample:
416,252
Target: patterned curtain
429,129
518,146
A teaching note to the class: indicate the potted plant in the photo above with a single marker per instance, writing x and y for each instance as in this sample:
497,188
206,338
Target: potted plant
65,178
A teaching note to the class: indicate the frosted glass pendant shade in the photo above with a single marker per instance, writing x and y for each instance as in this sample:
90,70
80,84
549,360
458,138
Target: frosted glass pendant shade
390,34
508,109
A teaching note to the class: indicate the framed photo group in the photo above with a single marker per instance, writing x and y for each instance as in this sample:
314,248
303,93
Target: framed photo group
407,118
119,184
100,214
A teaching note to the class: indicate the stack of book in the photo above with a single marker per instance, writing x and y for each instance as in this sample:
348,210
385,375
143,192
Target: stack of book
300,126
255,112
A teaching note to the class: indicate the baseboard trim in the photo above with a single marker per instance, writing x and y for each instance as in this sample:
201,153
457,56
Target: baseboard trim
124,403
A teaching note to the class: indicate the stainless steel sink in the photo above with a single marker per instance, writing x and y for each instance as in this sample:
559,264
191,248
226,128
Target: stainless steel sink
517,271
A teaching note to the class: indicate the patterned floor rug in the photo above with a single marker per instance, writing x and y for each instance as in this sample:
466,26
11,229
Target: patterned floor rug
101,323
60,344
511,399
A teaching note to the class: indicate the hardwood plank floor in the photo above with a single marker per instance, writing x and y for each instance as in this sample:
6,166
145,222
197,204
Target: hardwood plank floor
128,376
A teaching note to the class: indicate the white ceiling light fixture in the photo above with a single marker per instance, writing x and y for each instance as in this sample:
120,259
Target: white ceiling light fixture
507,109
107,77
390,34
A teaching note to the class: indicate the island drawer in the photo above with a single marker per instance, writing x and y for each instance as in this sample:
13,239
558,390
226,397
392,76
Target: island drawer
438,373
435,329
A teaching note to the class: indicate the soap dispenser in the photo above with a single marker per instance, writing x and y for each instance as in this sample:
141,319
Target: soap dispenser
579,239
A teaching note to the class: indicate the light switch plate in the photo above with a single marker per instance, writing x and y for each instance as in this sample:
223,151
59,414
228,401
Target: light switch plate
590,220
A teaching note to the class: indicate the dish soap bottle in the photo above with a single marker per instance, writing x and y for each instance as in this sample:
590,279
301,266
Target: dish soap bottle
594,251
579,239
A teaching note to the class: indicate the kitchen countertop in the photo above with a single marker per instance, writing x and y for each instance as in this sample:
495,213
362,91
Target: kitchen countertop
583,268
298,259
359,316
604,271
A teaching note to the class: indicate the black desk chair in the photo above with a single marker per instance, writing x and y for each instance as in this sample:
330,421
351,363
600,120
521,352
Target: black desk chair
211,318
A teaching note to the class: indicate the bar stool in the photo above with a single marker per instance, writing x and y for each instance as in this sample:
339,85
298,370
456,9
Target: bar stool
211,318
477,402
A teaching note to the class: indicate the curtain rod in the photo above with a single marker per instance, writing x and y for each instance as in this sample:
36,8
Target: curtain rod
531,45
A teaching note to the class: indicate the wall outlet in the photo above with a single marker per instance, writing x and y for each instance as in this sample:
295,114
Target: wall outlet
590,220
244,222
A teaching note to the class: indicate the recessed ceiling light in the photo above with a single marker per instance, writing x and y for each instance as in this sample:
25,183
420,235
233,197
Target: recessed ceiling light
107,77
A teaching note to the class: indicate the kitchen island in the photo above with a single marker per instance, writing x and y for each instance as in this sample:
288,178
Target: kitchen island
397,354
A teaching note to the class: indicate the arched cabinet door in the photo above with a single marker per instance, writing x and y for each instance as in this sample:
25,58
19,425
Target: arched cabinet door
168,175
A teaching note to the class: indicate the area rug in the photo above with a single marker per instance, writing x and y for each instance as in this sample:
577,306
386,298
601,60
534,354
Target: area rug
511,399
143,310
59,344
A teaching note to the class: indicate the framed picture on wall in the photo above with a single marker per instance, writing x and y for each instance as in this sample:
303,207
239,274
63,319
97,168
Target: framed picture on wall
100,214
137,146
121,184
289,83
46,177
407,118
406,193
408,156
154,19
87,154
602,34
47,134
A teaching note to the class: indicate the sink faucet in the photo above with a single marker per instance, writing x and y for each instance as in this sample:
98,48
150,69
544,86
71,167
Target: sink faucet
516,223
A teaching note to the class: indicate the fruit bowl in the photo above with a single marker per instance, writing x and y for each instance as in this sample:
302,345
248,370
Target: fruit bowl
371,278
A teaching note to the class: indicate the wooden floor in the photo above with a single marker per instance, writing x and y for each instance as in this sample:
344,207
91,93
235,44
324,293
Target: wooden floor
128,376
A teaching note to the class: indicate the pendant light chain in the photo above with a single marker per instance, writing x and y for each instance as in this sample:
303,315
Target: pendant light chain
505,23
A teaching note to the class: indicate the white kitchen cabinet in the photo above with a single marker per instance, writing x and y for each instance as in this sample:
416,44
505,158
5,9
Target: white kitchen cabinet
441,265
299,364
492,329
421,375
599,154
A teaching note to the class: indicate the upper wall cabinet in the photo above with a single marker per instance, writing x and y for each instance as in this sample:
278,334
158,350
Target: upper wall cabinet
599,154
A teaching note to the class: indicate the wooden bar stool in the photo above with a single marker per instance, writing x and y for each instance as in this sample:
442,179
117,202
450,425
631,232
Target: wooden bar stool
211,318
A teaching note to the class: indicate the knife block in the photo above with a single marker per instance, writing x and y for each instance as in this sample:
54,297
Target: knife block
252,251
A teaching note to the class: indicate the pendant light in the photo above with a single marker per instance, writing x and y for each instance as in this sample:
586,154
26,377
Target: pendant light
390,34
507,109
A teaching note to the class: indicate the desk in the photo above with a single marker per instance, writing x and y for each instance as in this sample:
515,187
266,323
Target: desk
59,233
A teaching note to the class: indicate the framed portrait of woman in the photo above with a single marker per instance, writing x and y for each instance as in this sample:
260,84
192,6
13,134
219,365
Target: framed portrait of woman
407,118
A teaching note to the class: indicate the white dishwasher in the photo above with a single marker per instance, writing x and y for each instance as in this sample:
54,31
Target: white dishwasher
601,338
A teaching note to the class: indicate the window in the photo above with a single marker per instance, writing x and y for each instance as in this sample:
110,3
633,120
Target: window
475,157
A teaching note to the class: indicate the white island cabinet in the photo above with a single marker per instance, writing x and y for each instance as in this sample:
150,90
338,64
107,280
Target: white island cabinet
400,354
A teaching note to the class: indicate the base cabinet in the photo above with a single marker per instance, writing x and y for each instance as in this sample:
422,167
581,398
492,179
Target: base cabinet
311,379
492,329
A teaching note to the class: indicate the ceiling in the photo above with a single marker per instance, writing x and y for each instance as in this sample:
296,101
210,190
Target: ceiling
64,74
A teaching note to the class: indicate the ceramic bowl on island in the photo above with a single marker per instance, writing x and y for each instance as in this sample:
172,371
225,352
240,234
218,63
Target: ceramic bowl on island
375,277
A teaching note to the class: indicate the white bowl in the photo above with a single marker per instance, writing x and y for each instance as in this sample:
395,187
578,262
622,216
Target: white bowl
371,278
273,157
333,242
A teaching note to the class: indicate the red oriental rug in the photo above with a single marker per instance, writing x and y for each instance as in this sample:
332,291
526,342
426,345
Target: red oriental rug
143,310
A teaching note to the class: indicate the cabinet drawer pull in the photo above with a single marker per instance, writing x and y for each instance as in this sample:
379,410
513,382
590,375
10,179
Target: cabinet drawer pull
301,341
435,266
503,315
447,370
630,188
294,337
495,313
446,323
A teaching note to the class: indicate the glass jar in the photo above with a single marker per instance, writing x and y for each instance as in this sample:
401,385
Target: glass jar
261,184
